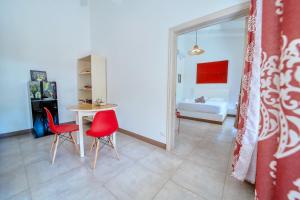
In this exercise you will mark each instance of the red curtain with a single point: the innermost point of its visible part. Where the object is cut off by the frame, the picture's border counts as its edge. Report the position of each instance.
(274, 29)
(278, 157)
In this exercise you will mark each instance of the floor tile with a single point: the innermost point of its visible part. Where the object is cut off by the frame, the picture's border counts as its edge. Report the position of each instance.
(12, 183)
(136, 183)
(205, 182)
(123, 139)
(136, 150)
(10, 162)
(108, 167)
(9, 146)
(184, 145)
(236, 190)
(42, 171)
(24, 195)
(76, 184)
(162, 162)
(172, 191)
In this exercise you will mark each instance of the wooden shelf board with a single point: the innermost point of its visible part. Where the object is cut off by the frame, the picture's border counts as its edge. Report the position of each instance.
(84, 73)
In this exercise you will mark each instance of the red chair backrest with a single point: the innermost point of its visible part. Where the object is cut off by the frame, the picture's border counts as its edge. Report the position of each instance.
(105, 123)
(50, 120)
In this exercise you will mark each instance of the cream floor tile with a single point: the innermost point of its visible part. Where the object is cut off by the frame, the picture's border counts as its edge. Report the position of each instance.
(34, 152)
(184, 145)
(42, 171)
(136, 183)
(9, 146)
(236, 190)
(123, 140)
(12, 183)
(76, 184)
(219, 164)
(172, 191)
(214, 150)
(136, 150)
(108, 167)
(10, 162)
(25, 138)
(205, 182)
(24, 195)
(161, 162)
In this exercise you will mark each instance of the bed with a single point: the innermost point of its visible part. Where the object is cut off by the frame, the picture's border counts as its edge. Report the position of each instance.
(214, 110)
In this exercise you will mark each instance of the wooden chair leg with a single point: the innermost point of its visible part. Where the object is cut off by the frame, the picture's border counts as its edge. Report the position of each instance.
(55, 148)
(52, 143)
(92, 145)
(114, 147)
(74, 141)
(96, 153)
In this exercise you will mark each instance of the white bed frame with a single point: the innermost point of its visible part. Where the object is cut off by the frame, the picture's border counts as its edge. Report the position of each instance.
(206, 117)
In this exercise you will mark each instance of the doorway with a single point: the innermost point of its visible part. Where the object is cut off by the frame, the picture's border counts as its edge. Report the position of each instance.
(225, 15)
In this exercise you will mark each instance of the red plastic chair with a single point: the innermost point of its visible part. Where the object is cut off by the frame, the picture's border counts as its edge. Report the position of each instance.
(59, 131)
(105, 123)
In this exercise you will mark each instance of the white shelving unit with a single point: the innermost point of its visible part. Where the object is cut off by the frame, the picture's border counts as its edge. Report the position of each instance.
(91, 82)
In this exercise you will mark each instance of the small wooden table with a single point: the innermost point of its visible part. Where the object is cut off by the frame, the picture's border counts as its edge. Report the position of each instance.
(84, 110)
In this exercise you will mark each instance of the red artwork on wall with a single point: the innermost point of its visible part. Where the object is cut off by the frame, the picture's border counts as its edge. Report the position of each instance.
(212, 72)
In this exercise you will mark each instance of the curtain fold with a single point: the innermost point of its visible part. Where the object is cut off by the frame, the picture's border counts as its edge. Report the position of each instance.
(248, 111)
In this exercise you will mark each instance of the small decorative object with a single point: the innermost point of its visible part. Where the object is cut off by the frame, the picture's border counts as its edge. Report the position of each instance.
(38, 75)
(99, 102)
(35, 90)
(87, 87)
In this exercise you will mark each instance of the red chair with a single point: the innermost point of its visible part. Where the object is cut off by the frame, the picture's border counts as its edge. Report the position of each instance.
(59, 131)
(105, 123)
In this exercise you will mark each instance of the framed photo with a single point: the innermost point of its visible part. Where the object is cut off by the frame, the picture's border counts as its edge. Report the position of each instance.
(38, 75)
(35, 90)
(49, 90)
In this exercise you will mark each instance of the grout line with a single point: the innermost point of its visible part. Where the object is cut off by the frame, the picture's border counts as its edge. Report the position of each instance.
(189, 190)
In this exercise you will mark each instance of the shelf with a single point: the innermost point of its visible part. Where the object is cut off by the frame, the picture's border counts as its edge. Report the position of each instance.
(84, 73)
(86, 89)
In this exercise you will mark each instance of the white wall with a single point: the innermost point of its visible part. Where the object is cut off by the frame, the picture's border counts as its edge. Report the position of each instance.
(225, 41)
(41, 35)
(134, 37)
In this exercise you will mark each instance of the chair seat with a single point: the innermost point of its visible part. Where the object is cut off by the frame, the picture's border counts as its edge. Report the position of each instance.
(98, 134)
(66, 128)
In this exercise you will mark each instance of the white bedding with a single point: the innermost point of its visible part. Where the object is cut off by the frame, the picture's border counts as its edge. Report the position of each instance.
(213, 109)
(210, 106)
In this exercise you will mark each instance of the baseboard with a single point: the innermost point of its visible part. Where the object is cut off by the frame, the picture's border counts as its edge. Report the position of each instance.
(25, 131)
(142, 138)
(202, 120)
(16, 133)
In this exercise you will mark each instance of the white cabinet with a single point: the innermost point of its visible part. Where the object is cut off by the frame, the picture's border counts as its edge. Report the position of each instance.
(91, 81)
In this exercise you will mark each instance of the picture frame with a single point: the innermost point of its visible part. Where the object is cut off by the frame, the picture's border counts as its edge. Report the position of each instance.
(35, 90)
(38, 75)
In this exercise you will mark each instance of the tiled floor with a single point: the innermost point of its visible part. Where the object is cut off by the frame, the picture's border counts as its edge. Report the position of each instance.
(198, 169)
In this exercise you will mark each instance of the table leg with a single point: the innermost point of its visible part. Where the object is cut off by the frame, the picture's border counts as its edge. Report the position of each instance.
(80, 134)
(114, 140)
(77, 133)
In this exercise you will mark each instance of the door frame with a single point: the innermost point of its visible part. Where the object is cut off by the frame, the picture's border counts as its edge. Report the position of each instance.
(228, 14)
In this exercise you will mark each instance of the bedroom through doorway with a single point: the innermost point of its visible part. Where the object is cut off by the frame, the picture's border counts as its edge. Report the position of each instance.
(209, 67)
(209, 70)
